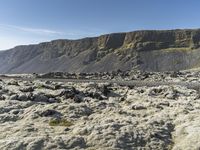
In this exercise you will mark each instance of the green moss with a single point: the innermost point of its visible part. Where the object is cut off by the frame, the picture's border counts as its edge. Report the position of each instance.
(60, 122)
(177, 49)
(39, 86)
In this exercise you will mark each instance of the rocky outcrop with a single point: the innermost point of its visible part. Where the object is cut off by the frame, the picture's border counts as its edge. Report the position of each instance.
(160, 50)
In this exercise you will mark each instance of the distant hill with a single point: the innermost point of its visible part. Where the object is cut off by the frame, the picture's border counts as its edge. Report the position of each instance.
(159, 50)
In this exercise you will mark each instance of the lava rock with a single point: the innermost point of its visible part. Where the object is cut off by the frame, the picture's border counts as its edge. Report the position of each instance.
(2, 97)
(78, 98)
(104, 89)
(69, 93)
(155, 92)
(15, 112)
(49, 113)
(40, 98)
(22, 97)
(13, 82)
(27, 89)
(14, 97)
(57, 87)
(52, 100)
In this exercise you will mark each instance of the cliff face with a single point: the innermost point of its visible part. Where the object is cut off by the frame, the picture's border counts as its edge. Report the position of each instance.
(144, 50)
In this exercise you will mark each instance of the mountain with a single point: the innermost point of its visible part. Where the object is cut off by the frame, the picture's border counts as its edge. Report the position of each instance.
(149, 50)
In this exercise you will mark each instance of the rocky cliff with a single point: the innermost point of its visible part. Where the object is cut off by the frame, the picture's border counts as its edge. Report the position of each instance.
(160, 50)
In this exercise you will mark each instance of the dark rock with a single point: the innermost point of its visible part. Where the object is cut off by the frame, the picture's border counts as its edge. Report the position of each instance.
(2, 97)
(155, 92)
(47, 86)
(13, 82)
(40, 98)
(144, 75)
(104, 89)
(49, 113)
(67, 129)
(159, 107)
(48, 82)
(57, 87)
(14, 97)
(4, 91)
(138, 107)
(52, 100)
(97, 96)
(77, 143)
(165, 103)
(22, 97)
(101, 105)
(27, 89)
(15, 112)
(78, 98)
(121, 99)
(69, 93)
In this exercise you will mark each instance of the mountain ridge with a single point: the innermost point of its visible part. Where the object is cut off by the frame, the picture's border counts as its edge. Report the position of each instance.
(146, 50)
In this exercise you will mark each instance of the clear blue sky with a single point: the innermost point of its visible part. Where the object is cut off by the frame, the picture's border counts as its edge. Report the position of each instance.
(34, 21)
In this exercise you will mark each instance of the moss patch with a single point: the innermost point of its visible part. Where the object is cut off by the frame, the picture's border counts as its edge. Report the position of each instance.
(177, 49)
(60, 122)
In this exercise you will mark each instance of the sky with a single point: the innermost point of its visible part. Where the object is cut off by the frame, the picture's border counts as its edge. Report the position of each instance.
(25, 22)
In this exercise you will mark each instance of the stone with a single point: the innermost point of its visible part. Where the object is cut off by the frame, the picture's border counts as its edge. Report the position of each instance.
(27, 89)
(78, 98)
(138, 107)
(97, 95)
(155, 92)
(69, 93)
(22, 97)
(57, 87)
(40, 98)
(14, 97)
(2, 97)
(49, 113)
(13, 82)
(15, 112)
(52, 100)
(104, 89)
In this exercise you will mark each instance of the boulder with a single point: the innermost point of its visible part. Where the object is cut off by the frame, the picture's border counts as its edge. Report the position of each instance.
(40, 98)
(22, 97)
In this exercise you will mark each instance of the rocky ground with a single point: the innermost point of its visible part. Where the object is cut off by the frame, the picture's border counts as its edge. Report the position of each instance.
(38, 115)
(174, 76)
